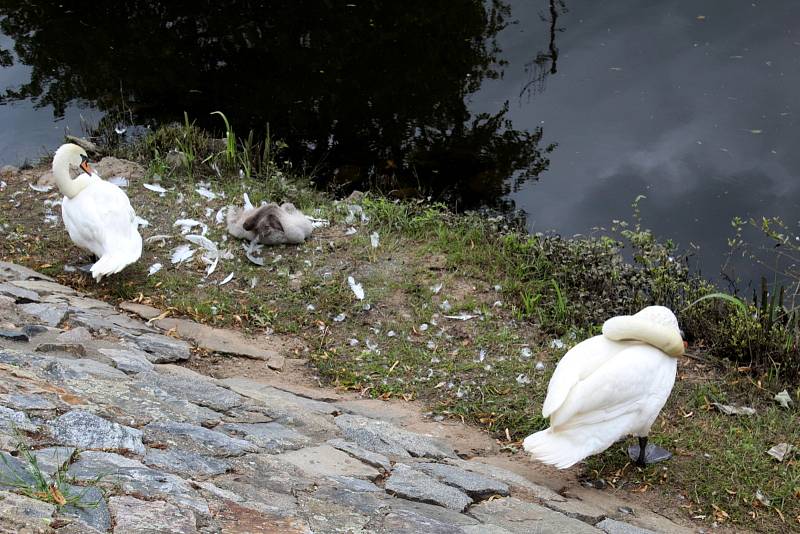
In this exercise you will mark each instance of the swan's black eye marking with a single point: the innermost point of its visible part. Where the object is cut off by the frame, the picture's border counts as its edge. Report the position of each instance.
(84, 158)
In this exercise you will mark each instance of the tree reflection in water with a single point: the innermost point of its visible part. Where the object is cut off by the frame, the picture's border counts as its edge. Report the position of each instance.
(370, 92)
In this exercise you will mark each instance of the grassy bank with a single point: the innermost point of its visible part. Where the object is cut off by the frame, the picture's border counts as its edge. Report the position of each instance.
(461, 311)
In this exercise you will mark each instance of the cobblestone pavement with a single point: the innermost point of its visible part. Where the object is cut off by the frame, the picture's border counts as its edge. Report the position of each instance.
(147, 445)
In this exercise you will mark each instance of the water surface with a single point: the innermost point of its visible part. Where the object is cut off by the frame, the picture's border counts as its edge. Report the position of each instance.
(567, 110)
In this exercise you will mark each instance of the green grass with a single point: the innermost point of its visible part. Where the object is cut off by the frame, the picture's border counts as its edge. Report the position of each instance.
(57, 490)
(524, 291)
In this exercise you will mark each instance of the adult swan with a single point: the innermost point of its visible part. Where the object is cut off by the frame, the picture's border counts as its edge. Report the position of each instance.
(97, 214)
(608, 387)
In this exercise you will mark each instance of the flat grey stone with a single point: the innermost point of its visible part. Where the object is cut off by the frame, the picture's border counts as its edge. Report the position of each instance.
(12, 271)
(82, 369)
(201, 392)
(49, 314)
(196, 438)
(327, 514)
(522, 517)
(185, 463)
(274, 396)
(31, 509)
(408, 483)
(13, 472)
(76, 526)
(484, 529)
(291, 410)
(11, 420)
(76, 349)
(90, 464)
(612, 526)
(439, 513)
(509, 477)
(273, 437)
(474, 484)
(51, 459)
(368, 457)
(139, 403)
(20, 401)
(357, 485)
(385, 438)
(75, 335)
(324, 460)
(44, 286)
(128, 361)
(92, 508)
(18, 293)
(133, 477)
(135, 516)
(162, 349)
(15, 335)
(88, 431)
(410, 522)
(267, 472)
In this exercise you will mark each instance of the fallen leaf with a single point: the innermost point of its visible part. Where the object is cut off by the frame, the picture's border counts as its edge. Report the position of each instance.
(781, 451)
(728, 409)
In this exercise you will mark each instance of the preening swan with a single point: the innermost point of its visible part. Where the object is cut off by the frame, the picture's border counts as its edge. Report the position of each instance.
(98, 215)
(608, 387)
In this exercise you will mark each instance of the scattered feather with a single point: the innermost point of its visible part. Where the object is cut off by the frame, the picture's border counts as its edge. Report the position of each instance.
(523, 379)
(763, 498)
(436, 288)
(350, 231)
(461, 316)
(120, 130)
(206, 193)
(318, 223)
(155, 188)
(186, 225)
(525, 352)
(181, 253)
(226, 279)
(40, 188)
(446, 306)
(247, 204)
(783, 398)
(728, 409)
(339, 318)
(311, 307)
(119, 181)
(539, 366)
(374, 239)
(220, 216)
(144, 223)
(251, 249)
(154, 269)
(557, 344)
(423, 327)
(3, 184)
(211, 254)
(357, 288)
(353, 342)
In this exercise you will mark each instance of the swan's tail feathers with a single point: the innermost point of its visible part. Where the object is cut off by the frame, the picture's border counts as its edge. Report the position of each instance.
(114, 262)
(560, 449)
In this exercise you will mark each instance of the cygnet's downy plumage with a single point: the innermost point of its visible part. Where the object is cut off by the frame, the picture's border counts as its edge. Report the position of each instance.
(269, 224)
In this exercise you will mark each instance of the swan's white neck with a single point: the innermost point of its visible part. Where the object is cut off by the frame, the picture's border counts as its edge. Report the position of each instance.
(69, 187)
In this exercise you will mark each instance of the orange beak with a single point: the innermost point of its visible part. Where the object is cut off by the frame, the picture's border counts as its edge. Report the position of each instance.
(86, 168)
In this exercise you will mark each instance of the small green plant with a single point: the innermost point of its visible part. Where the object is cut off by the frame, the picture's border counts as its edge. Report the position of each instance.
(56, 490)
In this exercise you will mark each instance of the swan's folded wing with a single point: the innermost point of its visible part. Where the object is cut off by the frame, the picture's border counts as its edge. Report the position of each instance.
(637, 377)
(579, 362)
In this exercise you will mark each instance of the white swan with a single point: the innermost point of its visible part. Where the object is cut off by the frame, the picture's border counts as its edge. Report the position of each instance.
(608, 387)
(97, 214)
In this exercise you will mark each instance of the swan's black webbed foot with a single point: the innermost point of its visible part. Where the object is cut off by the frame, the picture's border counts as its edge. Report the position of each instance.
(645, 453)
(86, 268)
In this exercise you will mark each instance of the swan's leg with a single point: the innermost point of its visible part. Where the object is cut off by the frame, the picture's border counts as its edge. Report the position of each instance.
(88, 267)
(645, 454)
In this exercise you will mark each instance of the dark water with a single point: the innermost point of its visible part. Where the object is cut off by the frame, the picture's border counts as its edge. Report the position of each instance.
(567, 110)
